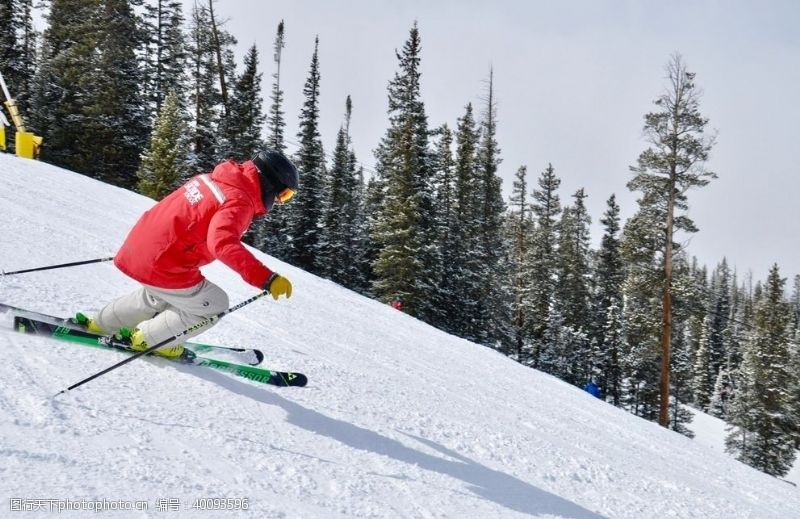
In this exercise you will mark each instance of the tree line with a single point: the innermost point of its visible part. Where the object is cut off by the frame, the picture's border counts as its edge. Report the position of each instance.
(132, 93)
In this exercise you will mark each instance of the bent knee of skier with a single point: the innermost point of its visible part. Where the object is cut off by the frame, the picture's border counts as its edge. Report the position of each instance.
(208, 302)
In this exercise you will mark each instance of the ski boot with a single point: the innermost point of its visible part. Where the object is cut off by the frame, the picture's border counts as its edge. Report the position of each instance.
(87, 324)
(137, 342)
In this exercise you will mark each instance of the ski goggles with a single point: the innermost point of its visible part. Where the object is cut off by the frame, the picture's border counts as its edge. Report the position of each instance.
(285, 195)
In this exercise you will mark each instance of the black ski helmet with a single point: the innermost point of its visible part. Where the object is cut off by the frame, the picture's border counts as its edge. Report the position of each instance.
(276, 173)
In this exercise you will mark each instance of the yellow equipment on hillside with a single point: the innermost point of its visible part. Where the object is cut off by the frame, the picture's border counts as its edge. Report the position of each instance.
(27, 144)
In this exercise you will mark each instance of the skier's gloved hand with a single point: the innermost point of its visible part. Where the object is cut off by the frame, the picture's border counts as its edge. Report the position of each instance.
(278, 286)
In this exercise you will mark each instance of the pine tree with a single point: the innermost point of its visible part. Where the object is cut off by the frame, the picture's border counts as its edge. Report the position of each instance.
(8, 40)
(334, 249)
(736, 328)
(520, 226)
(305, 213)
(664, 173)
(275, 122)
(703, 377)
(794, 388)
(339, 250)
(221, 43)
(18, 49)
(165, 162)
(495, 309)
(795, 303)
(762, 433)
(165, 54)
(230, 128)
(403, 228)
(572, 287)
(642, 315)
(719, 326)
(116, 126)
(67, 58)
(546, 207)
(681, 368)
(443, 185)
(465, 265)
(17, 54)
(610, 277)
(271, 234)
(88, 99)
(555, 356)
(205, 99)
(246, 114)
(361, 260)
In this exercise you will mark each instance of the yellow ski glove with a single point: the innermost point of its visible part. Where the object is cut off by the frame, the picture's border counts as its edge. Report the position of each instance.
(278, 286)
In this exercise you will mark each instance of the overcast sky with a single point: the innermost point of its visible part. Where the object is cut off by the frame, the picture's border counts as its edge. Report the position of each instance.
(573, 80)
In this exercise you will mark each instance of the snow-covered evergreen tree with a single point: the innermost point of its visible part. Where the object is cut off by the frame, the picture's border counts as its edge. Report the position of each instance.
(246, 118)
(88, 100)
(572, 294)
(495, 308)
(466, 315)
(703, 376)
(642, 315)
(519, 223)
(165, 162)
(795, 303)
(444, 186)
(403, 228)
(205, 98)
(275, 121)
(664, 173)
(305, 213)
(720, 313)
(794, 387)
(339, 248)
(271, 234)
(546, 207)
(361, 264)
(681, 368)
(762, 430)
(165, 55)
(610, 275)
(18, 40)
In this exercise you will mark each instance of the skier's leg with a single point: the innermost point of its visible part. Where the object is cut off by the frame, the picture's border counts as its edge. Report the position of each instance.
(184, 309)
(127, 311)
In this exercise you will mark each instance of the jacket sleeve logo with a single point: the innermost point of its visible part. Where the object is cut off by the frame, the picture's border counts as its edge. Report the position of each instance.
(193, 194)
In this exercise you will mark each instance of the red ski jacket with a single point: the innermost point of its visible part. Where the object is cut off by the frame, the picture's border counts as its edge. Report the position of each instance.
(199, 222)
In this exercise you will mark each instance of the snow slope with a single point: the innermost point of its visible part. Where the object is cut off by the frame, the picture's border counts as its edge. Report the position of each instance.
(711, 432)
(398, 420)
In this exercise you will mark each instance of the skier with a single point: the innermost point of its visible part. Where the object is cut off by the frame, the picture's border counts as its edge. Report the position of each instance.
(199, 222)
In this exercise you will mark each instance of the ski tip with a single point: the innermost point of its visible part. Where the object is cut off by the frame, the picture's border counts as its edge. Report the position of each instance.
(259, 357)
(294, 379)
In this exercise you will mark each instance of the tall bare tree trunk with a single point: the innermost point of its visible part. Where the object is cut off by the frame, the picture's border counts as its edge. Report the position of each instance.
(218, 50)
(666, 331)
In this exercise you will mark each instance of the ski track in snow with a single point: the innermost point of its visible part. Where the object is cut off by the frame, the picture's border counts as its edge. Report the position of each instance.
(398, 420)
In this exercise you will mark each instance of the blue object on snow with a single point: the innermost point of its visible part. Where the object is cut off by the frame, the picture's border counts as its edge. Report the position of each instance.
(592, 388)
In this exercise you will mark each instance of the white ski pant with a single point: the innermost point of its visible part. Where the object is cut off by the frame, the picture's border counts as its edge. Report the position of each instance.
(161, 313)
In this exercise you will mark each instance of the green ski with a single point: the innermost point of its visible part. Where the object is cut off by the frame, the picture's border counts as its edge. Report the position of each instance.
(25, 324)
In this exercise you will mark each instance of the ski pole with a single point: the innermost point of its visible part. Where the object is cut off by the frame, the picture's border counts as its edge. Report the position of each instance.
(73, 264)
(151, 349)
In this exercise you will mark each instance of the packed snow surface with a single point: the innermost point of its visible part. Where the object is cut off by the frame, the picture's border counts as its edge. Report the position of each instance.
(398, 420)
